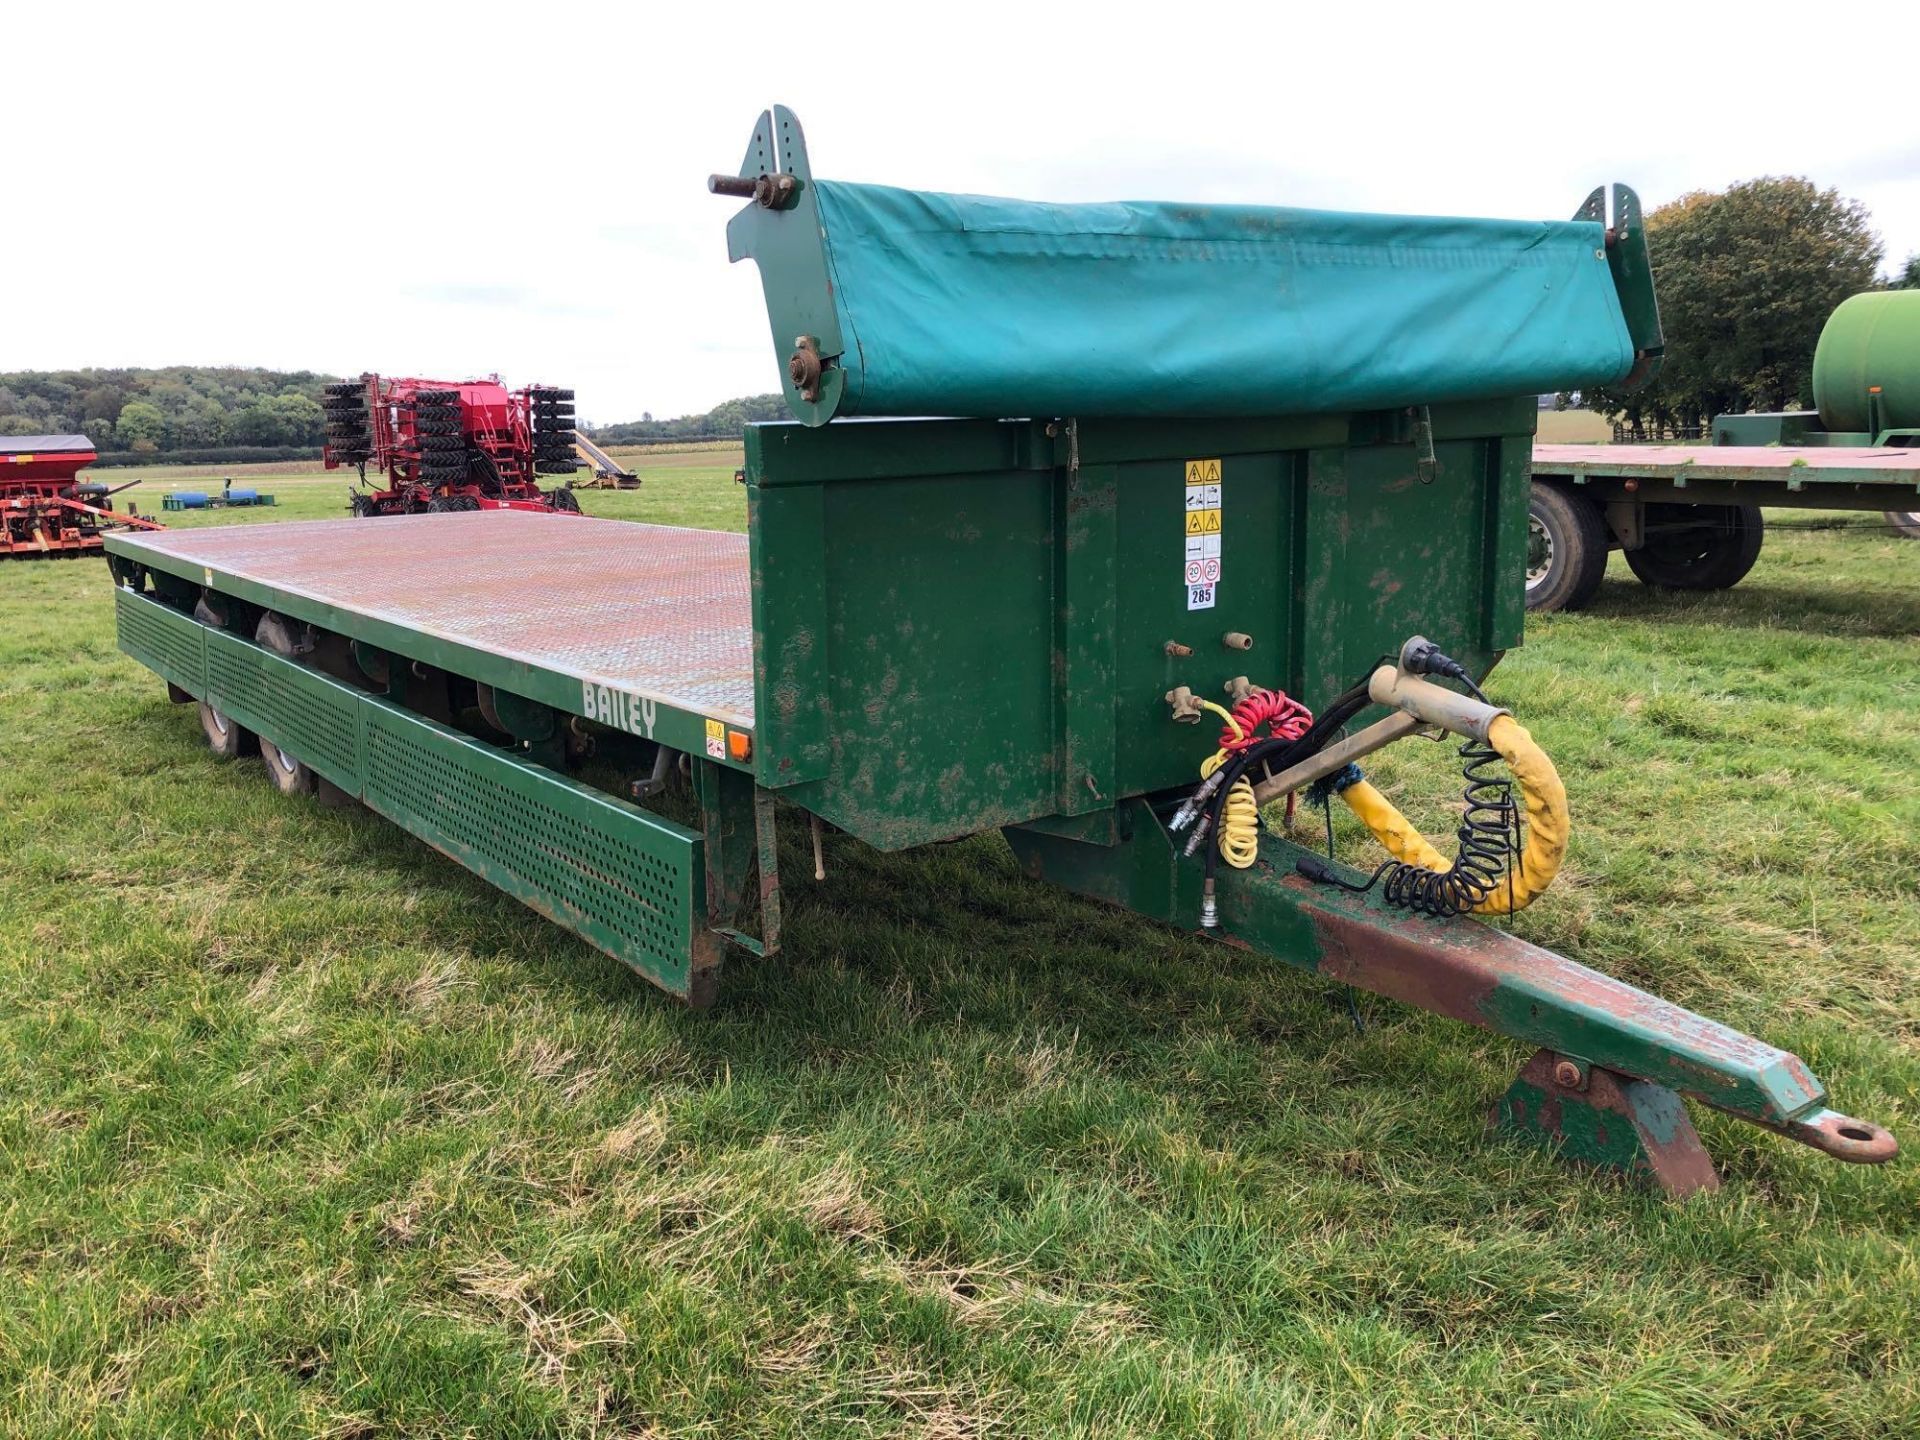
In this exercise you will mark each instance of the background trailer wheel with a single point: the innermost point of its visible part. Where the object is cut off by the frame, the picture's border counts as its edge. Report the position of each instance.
(1698, 547)
(1906, 522)
(1566, 548)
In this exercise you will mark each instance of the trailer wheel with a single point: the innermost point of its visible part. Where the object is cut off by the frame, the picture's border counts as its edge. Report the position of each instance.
(228, 739)
(1566, 549)
(1905, 522)
(1698, 547)
(225, 737)
(564, 499)
(289, 776)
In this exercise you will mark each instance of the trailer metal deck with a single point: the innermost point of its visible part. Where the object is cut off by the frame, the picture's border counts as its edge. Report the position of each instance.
(1816, 476)
(543, 605)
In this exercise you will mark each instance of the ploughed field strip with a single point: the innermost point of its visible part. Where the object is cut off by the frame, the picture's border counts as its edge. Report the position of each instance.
(1206, 583)
(647, 610)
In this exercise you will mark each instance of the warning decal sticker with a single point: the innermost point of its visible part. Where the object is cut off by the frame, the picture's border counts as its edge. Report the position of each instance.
(1200, 570)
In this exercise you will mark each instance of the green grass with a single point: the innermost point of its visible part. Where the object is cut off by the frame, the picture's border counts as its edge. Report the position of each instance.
(305, 1131)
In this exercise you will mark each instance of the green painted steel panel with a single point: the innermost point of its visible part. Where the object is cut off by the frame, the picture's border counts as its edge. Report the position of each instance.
(162, 639)
(947, 650)
(629, 882)
(312, 718)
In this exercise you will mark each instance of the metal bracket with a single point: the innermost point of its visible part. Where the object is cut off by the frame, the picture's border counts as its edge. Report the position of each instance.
(1627, 258)
(1597, 1117)
(1627, 519)
(781, 231)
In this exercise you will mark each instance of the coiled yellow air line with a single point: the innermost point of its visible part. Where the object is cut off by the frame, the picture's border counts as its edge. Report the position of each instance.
(1239, 837)
(1547, 821)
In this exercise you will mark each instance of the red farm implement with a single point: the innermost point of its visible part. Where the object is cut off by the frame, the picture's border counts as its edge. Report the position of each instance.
(45, 508)
(438, 445)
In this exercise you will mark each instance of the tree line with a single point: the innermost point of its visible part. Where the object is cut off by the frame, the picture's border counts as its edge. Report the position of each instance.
(1746, 277)
(184, 408)
(159, 411)
(730, 417)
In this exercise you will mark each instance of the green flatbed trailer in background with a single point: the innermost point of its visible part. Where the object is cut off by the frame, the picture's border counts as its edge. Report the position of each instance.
(935, 628)
(1687, 517)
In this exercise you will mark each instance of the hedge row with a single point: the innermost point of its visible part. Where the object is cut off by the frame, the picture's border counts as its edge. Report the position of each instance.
(222, 455)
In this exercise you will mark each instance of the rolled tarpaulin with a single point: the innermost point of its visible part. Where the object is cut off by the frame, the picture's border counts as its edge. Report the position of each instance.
(919, 303)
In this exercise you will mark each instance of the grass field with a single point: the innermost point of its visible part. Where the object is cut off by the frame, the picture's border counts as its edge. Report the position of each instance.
(1574, 427)
(304, 1131)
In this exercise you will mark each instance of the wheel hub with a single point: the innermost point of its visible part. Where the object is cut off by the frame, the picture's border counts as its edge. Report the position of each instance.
(1539, 551)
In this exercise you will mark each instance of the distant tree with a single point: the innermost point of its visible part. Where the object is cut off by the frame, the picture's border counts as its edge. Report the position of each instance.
(302, 416)
(1746, 278)
(200, 425)
(103, 402)
(18, 425)
(1908, 277)
(141, 423)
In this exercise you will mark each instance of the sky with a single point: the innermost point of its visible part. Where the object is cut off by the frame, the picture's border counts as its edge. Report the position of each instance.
(457, 189)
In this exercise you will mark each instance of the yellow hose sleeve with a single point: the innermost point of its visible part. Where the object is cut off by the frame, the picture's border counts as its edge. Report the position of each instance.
(1547, 824)
(1391, 828)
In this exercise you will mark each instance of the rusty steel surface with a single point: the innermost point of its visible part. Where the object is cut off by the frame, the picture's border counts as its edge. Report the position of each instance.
(1770, 462)
(651, 609)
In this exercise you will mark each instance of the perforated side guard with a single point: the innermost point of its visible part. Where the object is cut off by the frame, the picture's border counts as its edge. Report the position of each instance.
(627, 881)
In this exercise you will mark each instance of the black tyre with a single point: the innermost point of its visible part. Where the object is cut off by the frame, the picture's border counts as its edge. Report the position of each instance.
(434, 425)
(436, 397)
(1905, 522)
(543, 393)
(344, 387)
(442, 442)
(289, 775)
(1698, 547)
(448, 504)
(1566, 549)
(564, 499)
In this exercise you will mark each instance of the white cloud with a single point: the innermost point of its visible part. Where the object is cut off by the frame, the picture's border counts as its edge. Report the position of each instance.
(476, 187)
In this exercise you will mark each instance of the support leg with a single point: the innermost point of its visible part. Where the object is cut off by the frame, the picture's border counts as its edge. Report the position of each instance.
(1612, 1121)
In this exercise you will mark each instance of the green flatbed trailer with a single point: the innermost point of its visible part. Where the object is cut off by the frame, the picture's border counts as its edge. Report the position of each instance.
(1688, 517)
(939, 627)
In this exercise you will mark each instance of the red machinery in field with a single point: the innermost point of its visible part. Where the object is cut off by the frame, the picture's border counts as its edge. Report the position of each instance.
(45, 508)
(451, 445)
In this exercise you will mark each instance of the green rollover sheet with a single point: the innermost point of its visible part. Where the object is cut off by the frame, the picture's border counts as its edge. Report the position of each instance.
(970, 305)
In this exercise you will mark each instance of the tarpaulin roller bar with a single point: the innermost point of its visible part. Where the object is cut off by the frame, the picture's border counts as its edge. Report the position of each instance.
(888, 301)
